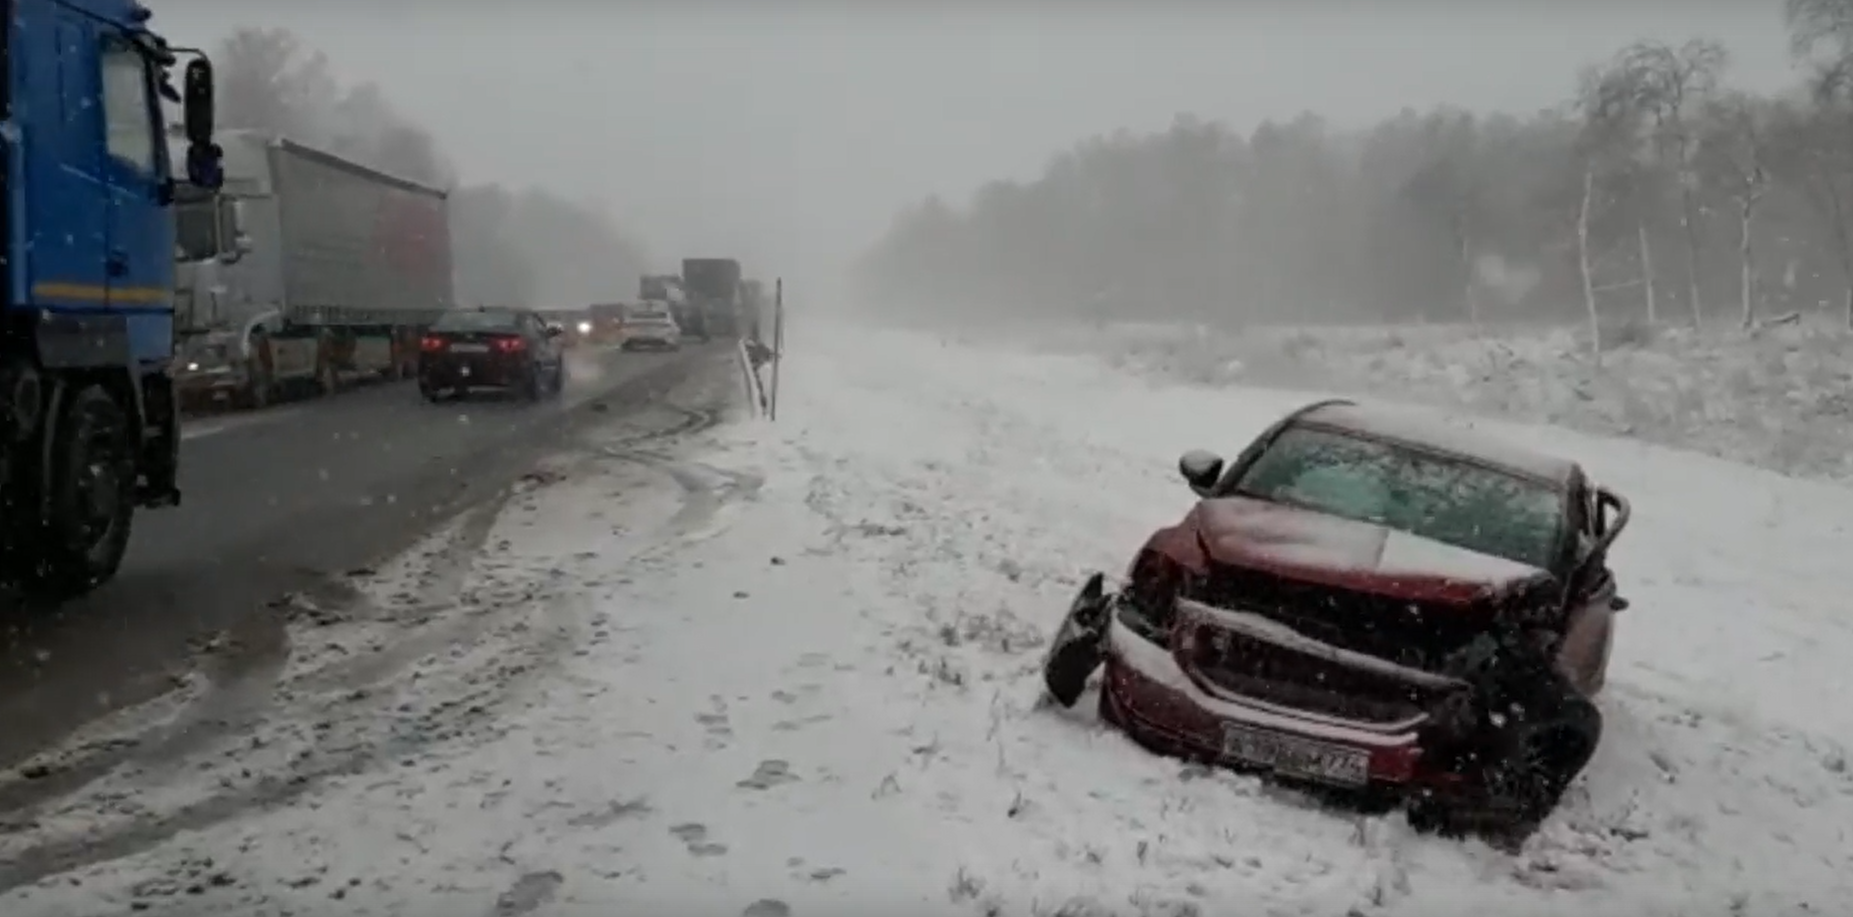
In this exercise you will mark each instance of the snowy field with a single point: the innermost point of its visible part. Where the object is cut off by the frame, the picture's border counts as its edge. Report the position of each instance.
(792, 670)
(1779, 397)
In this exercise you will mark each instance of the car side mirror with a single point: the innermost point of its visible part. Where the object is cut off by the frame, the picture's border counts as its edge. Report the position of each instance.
(1201, 469)
(554, 331)
(1612, 515)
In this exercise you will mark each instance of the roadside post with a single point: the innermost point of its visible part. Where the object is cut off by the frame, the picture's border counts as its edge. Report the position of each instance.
(778, 342)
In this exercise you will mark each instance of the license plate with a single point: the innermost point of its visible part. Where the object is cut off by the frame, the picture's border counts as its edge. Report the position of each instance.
(469, 348)
(1297, 757)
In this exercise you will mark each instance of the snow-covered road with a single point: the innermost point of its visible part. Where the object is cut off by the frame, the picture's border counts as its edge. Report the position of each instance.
(791, 669)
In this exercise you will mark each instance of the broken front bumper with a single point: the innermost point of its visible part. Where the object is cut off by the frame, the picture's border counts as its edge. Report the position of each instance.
(1154, 698)
(1160, 698)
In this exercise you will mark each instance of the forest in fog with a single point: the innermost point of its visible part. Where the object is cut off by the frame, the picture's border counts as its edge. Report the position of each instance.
(512, 247)
(1656, 192)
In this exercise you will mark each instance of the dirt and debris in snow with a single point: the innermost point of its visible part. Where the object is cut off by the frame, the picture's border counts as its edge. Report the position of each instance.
(864, 731)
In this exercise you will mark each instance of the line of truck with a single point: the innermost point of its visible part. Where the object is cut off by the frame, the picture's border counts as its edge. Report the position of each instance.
(304, 270)
(147, 264)
(709, 298)
(308, 271)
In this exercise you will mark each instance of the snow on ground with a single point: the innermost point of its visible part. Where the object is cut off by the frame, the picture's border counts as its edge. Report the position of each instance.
(1777, 397)
(801, 679)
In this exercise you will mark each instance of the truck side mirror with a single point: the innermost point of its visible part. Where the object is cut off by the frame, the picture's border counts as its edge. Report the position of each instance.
(197, 102)
(204, 157)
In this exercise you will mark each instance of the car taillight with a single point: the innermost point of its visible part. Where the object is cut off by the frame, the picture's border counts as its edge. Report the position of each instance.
(510, 345)
(429, 343)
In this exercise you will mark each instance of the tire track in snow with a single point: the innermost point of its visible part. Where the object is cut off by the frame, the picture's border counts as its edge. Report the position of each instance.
(340, 693)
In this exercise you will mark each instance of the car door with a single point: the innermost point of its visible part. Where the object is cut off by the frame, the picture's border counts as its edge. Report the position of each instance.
(138, 261)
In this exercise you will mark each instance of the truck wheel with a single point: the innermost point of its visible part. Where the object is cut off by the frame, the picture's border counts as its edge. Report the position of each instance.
(327, 379)
(257, 385)
(92, 497)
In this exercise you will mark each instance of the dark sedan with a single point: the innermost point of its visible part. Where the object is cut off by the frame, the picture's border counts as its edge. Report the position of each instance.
(510, 349)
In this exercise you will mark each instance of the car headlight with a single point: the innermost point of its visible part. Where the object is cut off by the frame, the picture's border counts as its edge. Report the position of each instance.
(192, 367)
(585, 327)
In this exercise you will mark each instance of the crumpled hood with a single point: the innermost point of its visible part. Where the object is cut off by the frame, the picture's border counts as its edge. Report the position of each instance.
(1318, 548)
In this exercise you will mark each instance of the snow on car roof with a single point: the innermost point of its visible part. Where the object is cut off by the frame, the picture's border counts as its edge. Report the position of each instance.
(1428, 429)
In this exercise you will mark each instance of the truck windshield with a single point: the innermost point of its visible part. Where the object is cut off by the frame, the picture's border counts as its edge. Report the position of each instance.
(196, 231)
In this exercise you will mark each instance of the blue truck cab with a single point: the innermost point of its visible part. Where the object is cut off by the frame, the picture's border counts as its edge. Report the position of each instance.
(89, 425)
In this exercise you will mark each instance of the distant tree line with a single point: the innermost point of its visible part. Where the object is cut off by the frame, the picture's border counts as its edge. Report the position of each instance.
(1654, 193)
(518, 247)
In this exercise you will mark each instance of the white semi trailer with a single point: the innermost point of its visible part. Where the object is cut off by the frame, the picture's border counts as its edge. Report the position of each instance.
(305, 271)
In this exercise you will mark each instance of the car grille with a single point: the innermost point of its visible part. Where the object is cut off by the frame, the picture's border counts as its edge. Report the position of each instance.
(1261, 670)
(1415, 634)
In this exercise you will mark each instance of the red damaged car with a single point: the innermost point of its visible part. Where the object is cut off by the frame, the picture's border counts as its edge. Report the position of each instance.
(1371, 601)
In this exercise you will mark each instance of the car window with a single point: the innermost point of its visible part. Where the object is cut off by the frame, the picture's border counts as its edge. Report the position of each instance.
(478, 320)
(1429, 494)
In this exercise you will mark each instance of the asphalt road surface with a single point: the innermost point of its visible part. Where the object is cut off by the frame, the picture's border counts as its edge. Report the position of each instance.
(279, 501)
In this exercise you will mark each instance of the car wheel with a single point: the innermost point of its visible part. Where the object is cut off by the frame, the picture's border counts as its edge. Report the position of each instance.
(1537, 757)
(531, 384)
(429, 392)
(1078, 646)
(559, 378)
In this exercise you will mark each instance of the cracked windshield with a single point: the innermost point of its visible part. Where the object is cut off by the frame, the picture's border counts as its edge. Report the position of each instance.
(1292, 459)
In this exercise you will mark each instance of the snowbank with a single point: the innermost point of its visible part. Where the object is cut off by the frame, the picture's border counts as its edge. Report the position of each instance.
(1781, 398)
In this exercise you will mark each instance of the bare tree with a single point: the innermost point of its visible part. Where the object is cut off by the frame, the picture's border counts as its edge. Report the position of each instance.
(1734, 151)
(1817, 26)
(1811, 150)
(1449, 187)
(1625, 94)
(271, 81)
(1560, 212)
(1668, 83)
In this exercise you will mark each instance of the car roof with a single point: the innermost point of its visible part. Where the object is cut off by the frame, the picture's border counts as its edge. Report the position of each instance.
(1418, 428)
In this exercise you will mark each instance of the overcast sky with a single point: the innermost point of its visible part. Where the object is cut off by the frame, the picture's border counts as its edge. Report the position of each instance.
(788, 133)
